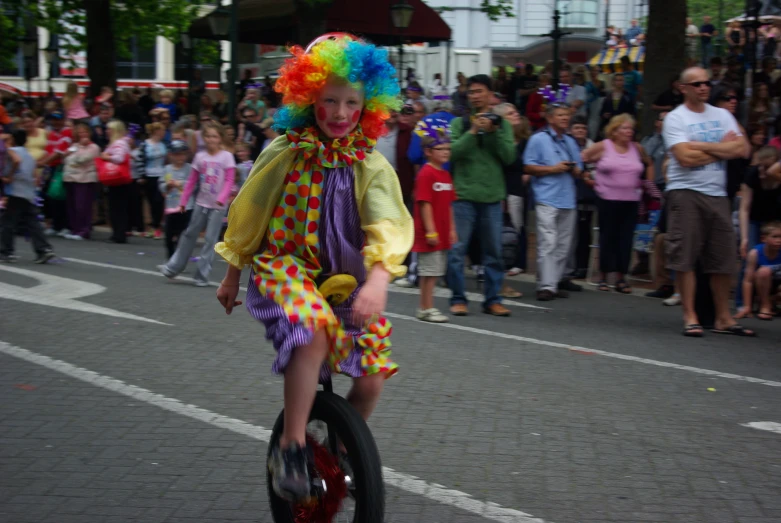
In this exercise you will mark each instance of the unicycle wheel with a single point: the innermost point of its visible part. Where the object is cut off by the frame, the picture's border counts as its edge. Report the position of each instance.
(361, 499)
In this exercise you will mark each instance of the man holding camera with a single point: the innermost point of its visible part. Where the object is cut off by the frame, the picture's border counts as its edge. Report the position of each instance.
(481, 146)
(552, 158)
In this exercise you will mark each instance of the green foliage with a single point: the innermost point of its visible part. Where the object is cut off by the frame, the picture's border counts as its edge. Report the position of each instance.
(207, 52)
(493, 9)
(144, 19)
(696, 9)
(496, 9)
(9, 43)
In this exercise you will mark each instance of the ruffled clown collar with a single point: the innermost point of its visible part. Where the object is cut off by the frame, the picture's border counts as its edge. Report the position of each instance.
(330, 153)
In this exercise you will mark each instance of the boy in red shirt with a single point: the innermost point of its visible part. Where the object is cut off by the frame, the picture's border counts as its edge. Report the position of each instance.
(60, 138)
(435, 229)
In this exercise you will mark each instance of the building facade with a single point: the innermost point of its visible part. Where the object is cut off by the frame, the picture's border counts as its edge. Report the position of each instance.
(519, 39)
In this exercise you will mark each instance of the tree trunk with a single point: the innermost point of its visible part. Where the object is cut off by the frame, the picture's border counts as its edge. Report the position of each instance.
(310, 18)
(101, 51)
(665, 55)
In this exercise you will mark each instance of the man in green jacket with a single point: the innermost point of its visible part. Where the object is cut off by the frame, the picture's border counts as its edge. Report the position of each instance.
(480, 150)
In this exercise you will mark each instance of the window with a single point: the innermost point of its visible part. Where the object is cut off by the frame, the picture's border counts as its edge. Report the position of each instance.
(140, 65)
(581, 13)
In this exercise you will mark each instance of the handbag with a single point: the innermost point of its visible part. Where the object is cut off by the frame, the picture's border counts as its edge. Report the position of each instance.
(56, 189)
(111, 174)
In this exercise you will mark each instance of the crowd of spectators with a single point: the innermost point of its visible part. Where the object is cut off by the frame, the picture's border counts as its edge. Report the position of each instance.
(578, 164)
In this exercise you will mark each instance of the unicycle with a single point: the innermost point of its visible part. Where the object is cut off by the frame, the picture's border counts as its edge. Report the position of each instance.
(346, 489)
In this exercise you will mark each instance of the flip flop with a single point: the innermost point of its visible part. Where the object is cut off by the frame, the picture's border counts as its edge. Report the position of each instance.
(603, 286)
(765, 316)
(623, 287)
(736, 330)
(693, 330)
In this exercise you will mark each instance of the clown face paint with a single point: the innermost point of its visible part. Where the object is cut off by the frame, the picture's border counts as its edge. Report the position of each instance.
(338, 109)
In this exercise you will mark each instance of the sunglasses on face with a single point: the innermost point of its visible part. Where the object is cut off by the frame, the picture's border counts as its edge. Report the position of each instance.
(731, 98)
(697, 85)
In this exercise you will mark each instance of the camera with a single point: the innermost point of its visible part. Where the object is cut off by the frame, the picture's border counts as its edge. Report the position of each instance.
(495, 119)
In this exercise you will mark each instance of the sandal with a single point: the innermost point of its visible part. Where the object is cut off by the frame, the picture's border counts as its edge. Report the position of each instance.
(623, 287)
(736, 330)
(603, 286)
(693, 330)
(765, 315)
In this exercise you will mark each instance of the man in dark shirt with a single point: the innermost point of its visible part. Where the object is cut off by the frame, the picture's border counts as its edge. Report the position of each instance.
(527, 85)
(707, 32)
(670, 99)
(249, 127)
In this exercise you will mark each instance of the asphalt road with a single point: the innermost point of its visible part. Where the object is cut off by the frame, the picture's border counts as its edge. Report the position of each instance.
(127, 397)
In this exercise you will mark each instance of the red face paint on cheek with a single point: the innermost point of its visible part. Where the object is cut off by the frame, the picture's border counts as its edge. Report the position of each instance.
(356, 115)
(321, 113)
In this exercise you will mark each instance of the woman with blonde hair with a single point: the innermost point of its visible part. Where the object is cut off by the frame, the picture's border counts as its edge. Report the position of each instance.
(516, 190)
(621, 166)
(117, 152)
(80, 177)
(73, 105)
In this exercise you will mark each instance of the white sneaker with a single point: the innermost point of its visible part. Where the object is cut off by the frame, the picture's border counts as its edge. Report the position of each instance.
(49, 232)
(199, 283)
(431, 315)
(515, 271)
(73, 237)
(64, 233)
(673, 300)
(404, 283)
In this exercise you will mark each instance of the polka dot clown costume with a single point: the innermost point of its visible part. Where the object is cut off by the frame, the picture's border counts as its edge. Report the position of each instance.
(317, 213)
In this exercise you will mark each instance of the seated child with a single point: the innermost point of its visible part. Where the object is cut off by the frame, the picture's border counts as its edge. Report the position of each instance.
(763, 272)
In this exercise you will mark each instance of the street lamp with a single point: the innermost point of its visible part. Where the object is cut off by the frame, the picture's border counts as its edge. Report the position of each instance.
(401, 16)
(219, 21)
(224, 22)
(29, 48)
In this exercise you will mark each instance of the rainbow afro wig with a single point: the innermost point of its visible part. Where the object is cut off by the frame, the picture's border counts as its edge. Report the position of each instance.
(345, 57)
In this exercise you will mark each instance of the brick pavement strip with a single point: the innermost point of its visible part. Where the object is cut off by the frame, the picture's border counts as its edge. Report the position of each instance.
(564, 436)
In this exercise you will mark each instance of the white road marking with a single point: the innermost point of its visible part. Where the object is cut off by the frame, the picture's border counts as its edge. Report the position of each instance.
(545, 343)
(56, 291)
(769, 426)
(438, 292)
(402, 481)
(615, 355)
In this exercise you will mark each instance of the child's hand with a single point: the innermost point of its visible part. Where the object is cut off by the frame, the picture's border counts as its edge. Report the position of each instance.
(226, 295)
(432, 240)
(182, 209)
(453, 237)
(743, 248)
(372, 297)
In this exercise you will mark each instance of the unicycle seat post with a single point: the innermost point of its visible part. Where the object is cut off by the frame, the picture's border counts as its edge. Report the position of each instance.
(328, 386)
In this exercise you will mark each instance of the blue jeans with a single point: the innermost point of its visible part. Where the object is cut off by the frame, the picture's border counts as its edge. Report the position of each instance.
(707, 52)
(487, 219)
(754, 232)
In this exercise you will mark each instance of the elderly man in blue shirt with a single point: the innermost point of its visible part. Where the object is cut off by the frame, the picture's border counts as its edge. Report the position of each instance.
(552, 158)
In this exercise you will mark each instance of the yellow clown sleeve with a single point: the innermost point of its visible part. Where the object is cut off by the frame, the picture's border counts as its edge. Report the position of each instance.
(251, 211)
(384, 217)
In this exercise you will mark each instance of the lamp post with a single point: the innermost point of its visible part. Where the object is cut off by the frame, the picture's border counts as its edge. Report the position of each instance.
(187, 46)
(401, 16)
(556, 34)
(51, 53)
(225, 22)
(29, 48)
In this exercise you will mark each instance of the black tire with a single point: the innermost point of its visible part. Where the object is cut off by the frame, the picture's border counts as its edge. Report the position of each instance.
(354, 433)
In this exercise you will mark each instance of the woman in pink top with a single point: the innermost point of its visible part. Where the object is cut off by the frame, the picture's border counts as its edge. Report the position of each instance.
(73, 104)
(620, 168)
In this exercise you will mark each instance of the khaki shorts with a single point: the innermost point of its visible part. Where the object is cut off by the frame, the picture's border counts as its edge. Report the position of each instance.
(699, 228)
(432, 263)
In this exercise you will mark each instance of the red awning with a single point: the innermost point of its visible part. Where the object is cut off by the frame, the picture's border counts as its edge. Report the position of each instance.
(274, 21)
(372, 19)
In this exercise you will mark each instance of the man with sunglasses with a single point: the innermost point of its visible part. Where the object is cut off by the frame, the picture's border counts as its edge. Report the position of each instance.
(700, 137)
(249, 129)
